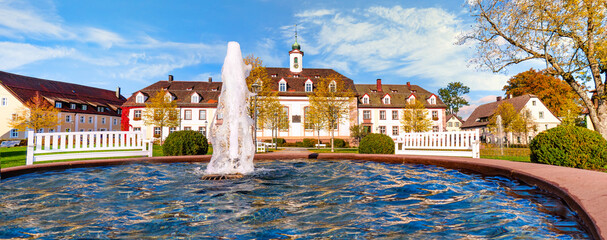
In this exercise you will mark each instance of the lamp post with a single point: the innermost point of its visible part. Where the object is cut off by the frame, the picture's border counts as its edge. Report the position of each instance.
(256, 87)
(276, 125)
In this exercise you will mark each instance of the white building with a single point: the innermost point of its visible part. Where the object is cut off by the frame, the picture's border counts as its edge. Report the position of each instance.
(454, 123)
(542, 117)
(197, 102)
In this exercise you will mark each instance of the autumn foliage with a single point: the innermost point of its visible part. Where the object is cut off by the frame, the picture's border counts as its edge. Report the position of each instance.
(36, 114)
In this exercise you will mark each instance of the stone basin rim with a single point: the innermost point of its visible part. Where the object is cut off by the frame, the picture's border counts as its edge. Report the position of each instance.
(580, 189)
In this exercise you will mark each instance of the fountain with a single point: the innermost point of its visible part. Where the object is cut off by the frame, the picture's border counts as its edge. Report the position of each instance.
(233, 148)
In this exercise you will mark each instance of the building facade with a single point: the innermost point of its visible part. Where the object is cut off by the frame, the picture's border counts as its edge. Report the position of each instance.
(81, 108)
(454, 123)
(543, 118)
(294, 85)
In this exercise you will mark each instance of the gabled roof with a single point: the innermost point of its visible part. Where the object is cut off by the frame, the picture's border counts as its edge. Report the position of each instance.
(296, 85)
(487, 110)
(456, 117)
(398, 95)
(24, 88)
(208, 91)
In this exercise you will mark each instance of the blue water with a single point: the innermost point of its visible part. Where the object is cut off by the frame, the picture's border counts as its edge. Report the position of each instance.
(295, 199)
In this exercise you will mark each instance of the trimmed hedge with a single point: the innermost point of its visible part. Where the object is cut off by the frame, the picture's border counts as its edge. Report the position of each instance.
(309, 142)
(570, 146)
(185, 143)
(376, 143)
(339, 143)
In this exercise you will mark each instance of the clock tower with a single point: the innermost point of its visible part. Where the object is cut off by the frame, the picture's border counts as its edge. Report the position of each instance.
(296, 57)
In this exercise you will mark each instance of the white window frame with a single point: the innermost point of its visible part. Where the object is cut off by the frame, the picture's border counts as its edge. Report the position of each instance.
(282, 86)
(333, 86)
(157, 131)
(394, 114)
(102, 120)
(68, 118)
(58, 105)
(387, 99)
(14, 133)
(84, 107)
(90, 119)
(394, 130)
(72, 106)
(140, 98)
(195, 98)
(82, 119)
(382, 114)
(202, 115)
(137, 115)
(366, 99)
(115, 121)
(187, 114)
(4, 101)
(309, 86)
(382, 129)
(366, 114)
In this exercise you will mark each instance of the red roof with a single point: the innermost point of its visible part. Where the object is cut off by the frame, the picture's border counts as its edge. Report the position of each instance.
(24, 88)
(480, 116)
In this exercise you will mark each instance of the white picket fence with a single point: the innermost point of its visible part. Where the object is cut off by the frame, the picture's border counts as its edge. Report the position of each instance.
(460, 144)
(75, 145)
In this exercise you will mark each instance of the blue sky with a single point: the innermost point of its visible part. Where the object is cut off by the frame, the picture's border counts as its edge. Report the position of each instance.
(132, 44)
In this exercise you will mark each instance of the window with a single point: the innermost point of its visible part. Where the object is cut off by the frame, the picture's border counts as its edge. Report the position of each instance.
(309, 86)
(115, 121)
(102, 120)
(387, 100)
(195, 98)
(295, 76)
(533, 103)
(411, 99)
(307, 124)
(14, 117)
(366, 100)
(51, 130)
(168, 97)
(456, 124)
(102, 129)
(274, 75)
(187, 115)
(203, 130)
(449, 124)
(68, 130)
(282, 86)
(382, 115)
(14, 133)
(137, 115)
(332, 86)
(316, 76)
(435, 128)
(4, 101)
(367, 114)
(157, 132)
(72, 106)
(100, 109)
(435, 115)
(140, 98)
(202, 115)
(137, 129)
(187, 128)
(41, 130)
(84, 107)
(172, 129)
(90, 119)
(219, 116)
(58, 105)
(82, 130)
(394, 130)
(82, 119)
(68, 118)
(541, 115)
(119, 111)
(394, 115)
(382, 129)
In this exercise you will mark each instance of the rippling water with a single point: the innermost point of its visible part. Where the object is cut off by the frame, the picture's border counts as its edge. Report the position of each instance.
(298, 199)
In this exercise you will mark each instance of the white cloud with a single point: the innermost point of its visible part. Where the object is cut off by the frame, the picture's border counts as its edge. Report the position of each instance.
(14, 55)
(486, 99)
(17, 22)
(102, 37)
(407, 42)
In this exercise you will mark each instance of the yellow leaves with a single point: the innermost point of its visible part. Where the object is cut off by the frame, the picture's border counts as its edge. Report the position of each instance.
(160, 111)
(415, 117)
(36, 114)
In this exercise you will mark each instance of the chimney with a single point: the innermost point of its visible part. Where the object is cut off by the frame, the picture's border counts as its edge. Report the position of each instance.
(499, 98)
(210, 79)
(409, 85)
(379, 85)
(118, 92)
(170, 78)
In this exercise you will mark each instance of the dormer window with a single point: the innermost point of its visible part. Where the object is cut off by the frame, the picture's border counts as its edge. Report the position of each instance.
(168, 97)
(189, 89)
(387, 99)
(296, 76)
(309, 86)
(58, 105)
(84, 107)
(72, 106)
(373, 90)
(195, 98)
(393, 90)
(332, 86)
(140, 98)
(282, 86)
(411, 99)
(432, 100)
(316, 76)
(365, 99)
(274, 75)
(100, 109)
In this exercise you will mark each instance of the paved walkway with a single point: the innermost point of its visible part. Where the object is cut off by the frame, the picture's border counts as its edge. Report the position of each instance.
(294, 150)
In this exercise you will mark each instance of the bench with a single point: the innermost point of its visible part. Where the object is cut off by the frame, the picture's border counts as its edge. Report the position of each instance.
(321, 145)
(270, 145)
(261, 146)
(77, 145)
(457, 144)
(9, 143)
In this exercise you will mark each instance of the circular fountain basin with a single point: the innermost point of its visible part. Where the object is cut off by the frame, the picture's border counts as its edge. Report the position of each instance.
(283, 199)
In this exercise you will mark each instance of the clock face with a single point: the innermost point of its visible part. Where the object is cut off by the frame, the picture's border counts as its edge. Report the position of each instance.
(296, 65)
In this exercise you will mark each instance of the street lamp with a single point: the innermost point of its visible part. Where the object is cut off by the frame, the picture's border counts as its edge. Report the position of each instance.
(276, 125)
(255, 87)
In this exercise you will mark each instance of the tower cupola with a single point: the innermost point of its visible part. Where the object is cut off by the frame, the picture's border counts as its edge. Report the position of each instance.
(296, 56)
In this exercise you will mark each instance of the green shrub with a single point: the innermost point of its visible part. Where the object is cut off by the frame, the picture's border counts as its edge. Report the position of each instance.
(570, 146)
(309, 142)
(376, 144)
(339, 143)
(280, 141)
(299, 144)
(185, 143)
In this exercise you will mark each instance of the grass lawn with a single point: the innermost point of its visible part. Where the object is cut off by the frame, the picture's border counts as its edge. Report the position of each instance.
(511, 154)
(15, 156)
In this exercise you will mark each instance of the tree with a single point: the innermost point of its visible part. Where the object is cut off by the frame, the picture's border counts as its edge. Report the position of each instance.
(570, 37)
(161, 111)
(452, 96)
(415, 117)
(556, 94)
(358, 132)
(36, 114)
(510, 119)
(314, 120)
(274, 117)
(332, 98)
(524, 124)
